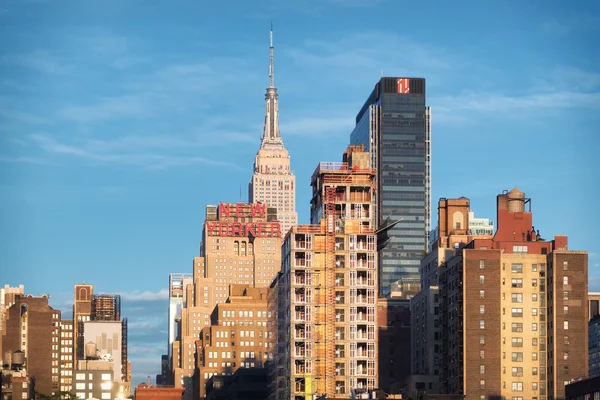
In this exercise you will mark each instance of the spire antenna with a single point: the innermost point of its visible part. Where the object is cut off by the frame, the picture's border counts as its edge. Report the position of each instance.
(271, 50)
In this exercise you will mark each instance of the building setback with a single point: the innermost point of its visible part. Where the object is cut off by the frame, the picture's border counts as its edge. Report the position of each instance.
(327, 289)
(514, 311)
(394, 127)
(241, 245)
(238, 337)
(273, 182)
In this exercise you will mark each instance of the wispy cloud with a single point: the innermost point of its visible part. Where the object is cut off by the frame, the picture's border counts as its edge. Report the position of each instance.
(39, 60)
(149, 160)
(369, 53)
(570, 24)
(455, 108)
(127, 62)
(136, 295)
(317, 126)
(112, 108)
(24, 117)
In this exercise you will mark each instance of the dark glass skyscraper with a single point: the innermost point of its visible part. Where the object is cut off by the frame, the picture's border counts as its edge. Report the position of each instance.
(394, 127)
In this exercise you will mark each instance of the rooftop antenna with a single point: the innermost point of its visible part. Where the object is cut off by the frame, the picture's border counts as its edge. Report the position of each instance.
(271, 68)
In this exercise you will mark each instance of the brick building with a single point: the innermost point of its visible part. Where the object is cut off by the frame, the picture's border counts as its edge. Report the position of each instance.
(33, 327)
(514, 311)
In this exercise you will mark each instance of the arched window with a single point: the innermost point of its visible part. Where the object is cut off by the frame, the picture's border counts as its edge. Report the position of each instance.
(243, 252)
(236, 247)
(458, 220)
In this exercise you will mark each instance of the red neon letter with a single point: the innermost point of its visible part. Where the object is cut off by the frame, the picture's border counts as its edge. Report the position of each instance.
(259, 209)
(276, 229)
(250, 229)
(210, 228)
(224, 210)
(236, 228)
(238, 210)
(223, 232)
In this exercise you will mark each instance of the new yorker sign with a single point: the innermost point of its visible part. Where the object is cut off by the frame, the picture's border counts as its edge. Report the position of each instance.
(243, 229)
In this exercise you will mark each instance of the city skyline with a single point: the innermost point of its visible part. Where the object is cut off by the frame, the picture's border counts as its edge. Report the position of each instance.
(113, 177)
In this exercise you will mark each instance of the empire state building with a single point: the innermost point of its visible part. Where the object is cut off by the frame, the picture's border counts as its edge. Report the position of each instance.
(273, 182)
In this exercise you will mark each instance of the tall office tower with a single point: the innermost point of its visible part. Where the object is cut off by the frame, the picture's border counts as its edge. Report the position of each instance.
(82, 312)
(238, 336)
(327, 343)
(394, 126)
(33, 327)
(177, 284)
(273, 182)
(513, 310)
(455, 229)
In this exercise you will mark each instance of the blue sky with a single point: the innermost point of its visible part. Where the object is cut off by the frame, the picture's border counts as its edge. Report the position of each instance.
(120, 120)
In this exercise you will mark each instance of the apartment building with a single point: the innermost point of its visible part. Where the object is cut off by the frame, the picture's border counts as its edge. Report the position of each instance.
(327, 290)
(514, 311)
(238, 337)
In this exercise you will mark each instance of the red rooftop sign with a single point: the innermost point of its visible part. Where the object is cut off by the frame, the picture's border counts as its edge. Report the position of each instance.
(243, 229)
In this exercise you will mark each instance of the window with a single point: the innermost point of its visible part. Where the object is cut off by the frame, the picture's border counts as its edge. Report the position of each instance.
(566, 295)
(517, 297)
(517, 268)
(482, 354)
(517, 371)
(566, 310)
(566, 325)
(517, 357)
(481, 294)
(517, 386)
(565, 265)
(517, 327)
(482, 384)
(517, 342)
(481, 324)
(534, 327)
(481, 279)
(534, 282)
(482, 309)
(565, 281)
(517, 312)
(534, 385)
(534, 312)
(516, 282)
(534, 341)
(534, 371)
(534, 356)
(482, 369)
(533, 267)
(534, 297)
(481, 264)
(481, 339)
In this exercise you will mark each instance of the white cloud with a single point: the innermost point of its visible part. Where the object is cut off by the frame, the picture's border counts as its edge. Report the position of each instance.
(136, 295)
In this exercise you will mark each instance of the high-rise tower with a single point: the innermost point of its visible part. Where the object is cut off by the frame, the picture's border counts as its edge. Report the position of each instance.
(272, 182)
(394, 127)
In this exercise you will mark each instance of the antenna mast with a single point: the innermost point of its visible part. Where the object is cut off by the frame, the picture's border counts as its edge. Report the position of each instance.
(271, 68)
